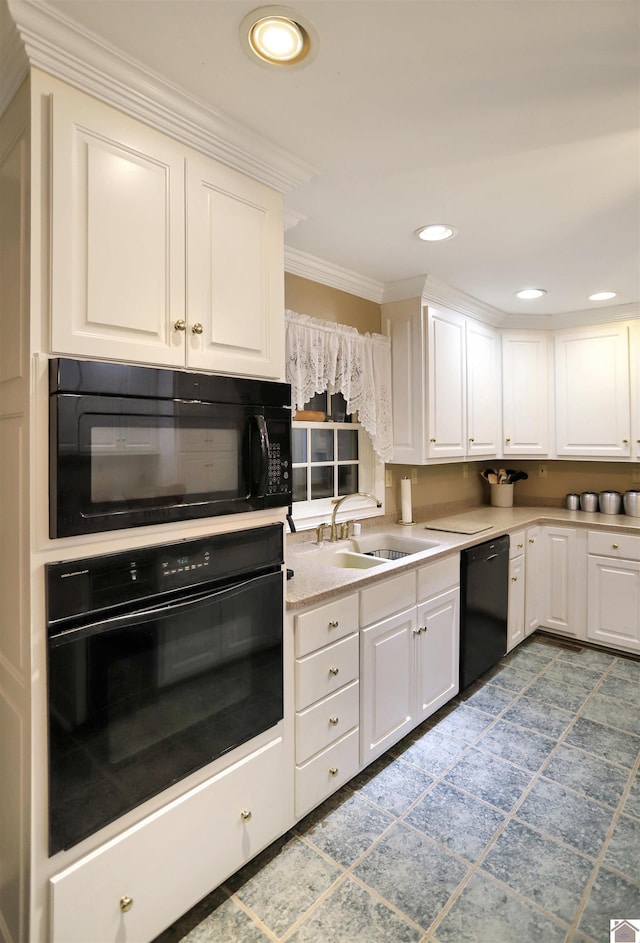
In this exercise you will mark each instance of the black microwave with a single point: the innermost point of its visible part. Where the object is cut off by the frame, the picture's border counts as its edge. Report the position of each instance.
(130, 446)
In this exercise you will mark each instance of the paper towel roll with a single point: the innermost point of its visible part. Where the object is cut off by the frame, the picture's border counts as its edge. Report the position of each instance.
(405, 499)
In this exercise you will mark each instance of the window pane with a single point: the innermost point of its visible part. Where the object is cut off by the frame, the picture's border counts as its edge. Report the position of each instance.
(317, 403)
(347, 479)
(322, 445)
(322, 482)
(299, 482)
(339, 408)
(298, 446)
(347, 444)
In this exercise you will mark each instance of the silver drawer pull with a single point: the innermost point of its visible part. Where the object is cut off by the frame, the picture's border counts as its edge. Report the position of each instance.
(126, 903)
(333, 721)
(245, 815)
(334, 671)
(614, 546)
(333, 770)
(333, 624)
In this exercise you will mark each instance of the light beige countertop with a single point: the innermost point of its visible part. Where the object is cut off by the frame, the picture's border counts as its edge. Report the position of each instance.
(315, 582)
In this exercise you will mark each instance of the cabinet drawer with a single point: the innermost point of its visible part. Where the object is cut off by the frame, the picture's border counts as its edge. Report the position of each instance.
(389, 596)
(324, 722)
(168, 862)
(438, 576)
(326, 772)
(516, 543)
(325, 671)
(610, 544)
(326, 624)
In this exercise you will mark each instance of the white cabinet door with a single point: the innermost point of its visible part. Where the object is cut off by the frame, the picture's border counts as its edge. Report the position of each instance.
(634, 361)
(593, 418)
(613, 610)
(447, 393)
(235, 287)
(561, 581)
(437, 653)
(483, 389)
(525, 393)
(406, 326)
(516, 608)
(117, 271)
(533, 579)
(385, 669)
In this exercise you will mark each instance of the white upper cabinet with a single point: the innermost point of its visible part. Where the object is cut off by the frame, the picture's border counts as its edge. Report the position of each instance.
(592, 392)
(483, 390)
(525, 393)
(447, 385)
(634, 361)
(159, 254)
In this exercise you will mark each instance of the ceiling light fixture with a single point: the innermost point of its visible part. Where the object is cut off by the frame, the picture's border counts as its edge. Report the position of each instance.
(603, 295)
(277, 36)
(436, 232)
(527, 294)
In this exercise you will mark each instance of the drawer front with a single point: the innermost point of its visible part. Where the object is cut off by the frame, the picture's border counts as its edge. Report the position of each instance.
(386, 597)
(516, 543)
(610, 544)
(320, 725)
(326, 772)
(439, 576)
(325, 671)
(326, 624)
(170, 861)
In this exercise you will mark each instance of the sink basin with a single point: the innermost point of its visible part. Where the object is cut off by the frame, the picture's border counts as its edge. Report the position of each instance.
(391, 546)
(345, 559)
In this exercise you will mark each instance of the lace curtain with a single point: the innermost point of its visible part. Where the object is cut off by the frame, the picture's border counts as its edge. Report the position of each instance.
(321, 355)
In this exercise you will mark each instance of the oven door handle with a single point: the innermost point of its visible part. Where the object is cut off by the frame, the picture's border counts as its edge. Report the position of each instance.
(132, 619)
(260, 457)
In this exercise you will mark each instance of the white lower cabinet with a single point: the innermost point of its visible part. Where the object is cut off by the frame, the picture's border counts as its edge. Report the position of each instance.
(613, 608)
(517, 585)
(533, 602)
(132, 888)
(437, 653)
(563, 561)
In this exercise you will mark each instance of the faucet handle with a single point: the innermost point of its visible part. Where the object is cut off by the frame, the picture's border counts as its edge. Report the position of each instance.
(320, 533)
(344, 529)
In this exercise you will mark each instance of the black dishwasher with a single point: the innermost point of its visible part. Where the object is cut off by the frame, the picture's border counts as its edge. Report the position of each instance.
(484, 587)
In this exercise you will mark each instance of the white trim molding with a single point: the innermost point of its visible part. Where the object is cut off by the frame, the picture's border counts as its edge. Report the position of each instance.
(301, 263)
(62, 48)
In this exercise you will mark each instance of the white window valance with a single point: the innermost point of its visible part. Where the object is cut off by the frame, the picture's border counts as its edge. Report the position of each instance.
(321, 355)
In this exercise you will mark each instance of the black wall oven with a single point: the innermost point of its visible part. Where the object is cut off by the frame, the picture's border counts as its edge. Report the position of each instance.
(137, 445)
(160, 660)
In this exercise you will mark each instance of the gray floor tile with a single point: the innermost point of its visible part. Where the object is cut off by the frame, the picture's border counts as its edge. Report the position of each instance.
(566, 815)
(462, 722)
(344, 826)
(545, 872)
(433, 752)
(530, 657)
(392, 784)
(179, 931)
(486, 913)
(510, 677)
(489, 778)
(227, 924)
(623, 689)
(351, 915)
(623, 851)
(632, 802)
(543, 718)
(542, 648)
(460, 823)
(264, 885)
(412, 873)
(557, 693)
(587, 774)
(613, 712)
(588, 658)
(613, 745)
(522, 747)
(611, 897)
(488, 698)
(570, 673)
(625, 668)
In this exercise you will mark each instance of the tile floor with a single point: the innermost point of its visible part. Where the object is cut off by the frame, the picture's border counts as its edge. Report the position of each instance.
(511, 815)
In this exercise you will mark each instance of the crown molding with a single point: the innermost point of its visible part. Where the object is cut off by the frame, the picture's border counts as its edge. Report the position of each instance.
(326, 273)
(14, 65)
(64, 49)
(434, 292)
(292, 218)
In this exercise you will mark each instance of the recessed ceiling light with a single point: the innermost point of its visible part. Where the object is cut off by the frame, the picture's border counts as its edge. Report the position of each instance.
(527, 294)
(603, 295)
(436, 232)
(277, 36)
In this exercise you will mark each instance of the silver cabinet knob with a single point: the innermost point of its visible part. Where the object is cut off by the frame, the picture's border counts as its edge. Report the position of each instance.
(333, 721)
(333, 624)
(245, 815)
(334, 671)
(614, 546)
(514, 579)
(508, 439)
(126, 903)
(333, 770)
(196, 329)
(532, 540)
(180, 325)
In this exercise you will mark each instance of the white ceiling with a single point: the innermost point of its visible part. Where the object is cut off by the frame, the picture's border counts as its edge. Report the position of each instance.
(515, 120)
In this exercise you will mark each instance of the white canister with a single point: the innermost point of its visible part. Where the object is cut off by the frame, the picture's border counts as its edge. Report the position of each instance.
(501, 496)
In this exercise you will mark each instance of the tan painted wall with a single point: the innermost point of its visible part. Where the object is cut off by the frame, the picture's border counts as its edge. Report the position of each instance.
(320, 301)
